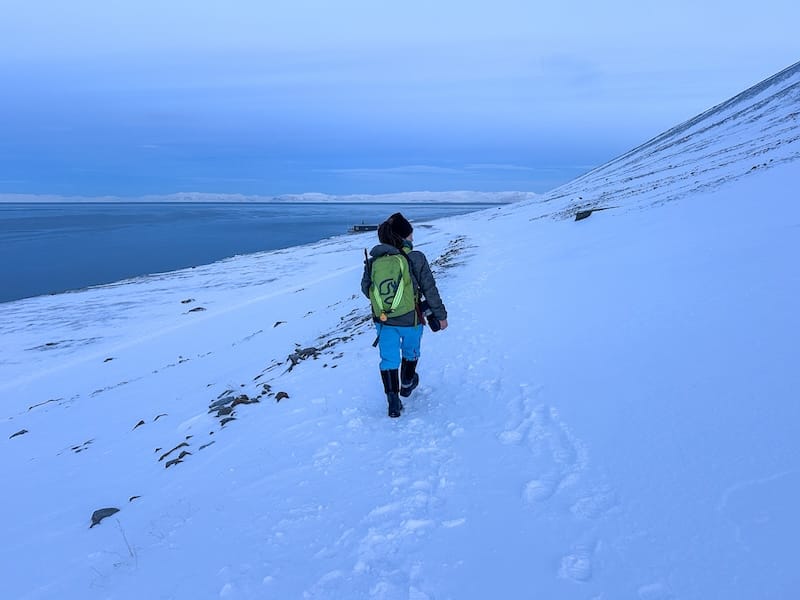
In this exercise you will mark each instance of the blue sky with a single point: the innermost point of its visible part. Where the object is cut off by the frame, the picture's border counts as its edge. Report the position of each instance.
(269, 97)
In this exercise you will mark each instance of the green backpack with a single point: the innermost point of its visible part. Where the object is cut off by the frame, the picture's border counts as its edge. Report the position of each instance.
(391, 292)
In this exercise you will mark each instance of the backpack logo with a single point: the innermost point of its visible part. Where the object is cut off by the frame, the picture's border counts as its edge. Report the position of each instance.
(387, 289)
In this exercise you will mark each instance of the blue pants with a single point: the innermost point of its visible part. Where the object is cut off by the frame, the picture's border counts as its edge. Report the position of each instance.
(394, 341)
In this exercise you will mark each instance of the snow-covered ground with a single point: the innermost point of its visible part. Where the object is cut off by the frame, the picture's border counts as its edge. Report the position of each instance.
(613, 412)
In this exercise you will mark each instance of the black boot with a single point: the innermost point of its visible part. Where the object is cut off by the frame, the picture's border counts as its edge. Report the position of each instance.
(408, 377)
(391, 385)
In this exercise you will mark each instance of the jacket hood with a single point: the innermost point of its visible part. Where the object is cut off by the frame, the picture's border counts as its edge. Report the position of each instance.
(383, 250)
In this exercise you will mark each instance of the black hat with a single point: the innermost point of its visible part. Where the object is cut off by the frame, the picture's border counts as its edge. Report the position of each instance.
(400, 225)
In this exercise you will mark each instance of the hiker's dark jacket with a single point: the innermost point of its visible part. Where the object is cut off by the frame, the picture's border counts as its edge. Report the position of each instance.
(421, 276)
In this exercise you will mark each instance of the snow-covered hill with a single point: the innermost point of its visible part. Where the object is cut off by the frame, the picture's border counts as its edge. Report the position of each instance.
(612, 413)
(752, 131)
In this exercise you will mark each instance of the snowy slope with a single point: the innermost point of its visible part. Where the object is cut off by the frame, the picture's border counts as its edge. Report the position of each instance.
(752, 131)
(612, 413)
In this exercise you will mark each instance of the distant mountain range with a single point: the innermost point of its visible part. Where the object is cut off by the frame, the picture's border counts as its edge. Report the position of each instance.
(463, 197)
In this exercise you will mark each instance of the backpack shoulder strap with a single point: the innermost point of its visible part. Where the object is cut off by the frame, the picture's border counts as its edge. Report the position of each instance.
(411, 274)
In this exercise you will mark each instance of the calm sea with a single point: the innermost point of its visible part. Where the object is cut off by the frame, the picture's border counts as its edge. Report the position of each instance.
(51, 248)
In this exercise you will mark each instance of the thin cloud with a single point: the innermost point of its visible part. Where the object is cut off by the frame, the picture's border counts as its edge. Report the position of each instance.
(538, 169)
(402, 170)
(496, 167)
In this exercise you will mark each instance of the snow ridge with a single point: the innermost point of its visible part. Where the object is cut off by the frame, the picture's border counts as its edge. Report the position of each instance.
(754, 130)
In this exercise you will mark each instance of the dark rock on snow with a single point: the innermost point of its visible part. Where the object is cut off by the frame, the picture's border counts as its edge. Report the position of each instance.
(166, 454)
(101, 514)
(178, 460)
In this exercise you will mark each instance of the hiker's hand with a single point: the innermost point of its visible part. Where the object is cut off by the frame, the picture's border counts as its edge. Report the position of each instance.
(443, 323)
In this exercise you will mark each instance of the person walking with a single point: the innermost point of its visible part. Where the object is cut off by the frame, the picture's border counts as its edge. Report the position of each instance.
(396, 278)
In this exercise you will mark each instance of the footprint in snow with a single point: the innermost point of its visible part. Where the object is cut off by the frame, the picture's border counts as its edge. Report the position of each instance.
(577, 565)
